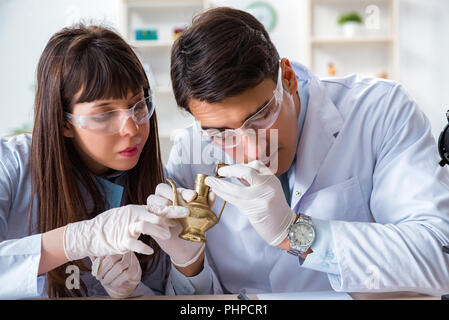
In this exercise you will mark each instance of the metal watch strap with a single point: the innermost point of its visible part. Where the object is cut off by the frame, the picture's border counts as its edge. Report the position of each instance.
(298, 254)
(301, 218)
(304, 218)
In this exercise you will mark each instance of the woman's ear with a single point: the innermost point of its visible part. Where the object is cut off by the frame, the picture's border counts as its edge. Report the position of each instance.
(288, 76)
(68, 130)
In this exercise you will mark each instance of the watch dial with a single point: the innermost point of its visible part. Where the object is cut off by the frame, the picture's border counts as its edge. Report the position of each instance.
(303, 235)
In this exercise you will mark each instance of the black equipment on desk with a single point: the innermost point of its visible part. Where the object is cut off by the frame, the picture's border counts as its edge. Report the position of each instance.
(443, 149)
(445, 296)
(443, 143)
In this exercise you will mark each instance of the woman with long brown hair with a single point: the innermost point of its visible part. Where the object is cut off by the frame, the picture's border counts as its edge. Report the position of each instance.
(77, 187)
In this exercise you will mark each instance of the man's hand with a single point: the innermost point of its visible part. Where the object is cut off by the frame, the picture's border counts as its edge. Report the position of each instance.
(183, 253)
(263, 200)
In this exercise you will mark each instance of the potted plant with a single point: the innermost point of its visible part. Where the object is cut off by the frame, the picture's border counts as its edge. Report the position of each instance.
(350, 22)
(26, 128)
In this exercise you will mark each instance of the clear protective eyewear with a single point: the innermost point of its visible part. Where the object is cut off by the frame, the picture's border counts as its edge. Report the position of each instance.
(262, 119)
(112, 122)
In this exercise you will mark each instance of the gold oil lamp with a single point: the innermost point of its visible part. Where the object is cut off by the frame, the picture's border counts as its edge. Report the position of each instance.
(201, 218)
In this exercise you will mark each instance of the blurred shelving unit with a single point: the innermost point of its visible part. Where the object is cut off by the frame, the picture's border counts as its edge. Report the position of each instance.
(371, 51)
(162, 17)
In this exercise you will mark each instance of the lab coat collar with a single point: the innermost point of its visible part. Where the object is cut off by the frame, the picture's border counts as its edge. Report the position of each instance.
(322, 125)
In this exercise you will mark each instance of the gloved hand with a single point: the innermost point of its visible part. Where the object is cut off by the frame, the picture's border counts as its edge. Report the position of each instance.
(119, 274)
(182, 252)
(116, 231)
(263, 200)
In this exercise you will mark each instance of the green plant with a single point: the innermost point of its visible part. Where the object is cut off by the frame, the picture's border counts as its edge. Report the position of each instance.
(26, 128)
(350, 17)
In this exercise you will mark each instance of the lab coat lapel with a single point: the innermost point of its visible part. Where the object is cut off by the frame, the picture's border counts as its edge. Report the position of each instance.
(321, 127)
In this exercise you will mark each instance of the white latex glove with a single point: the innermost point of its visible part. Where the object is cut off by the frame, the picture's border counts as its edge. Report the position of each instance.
(119, 274)
(116, 231)
(182, 252)
(263, 200)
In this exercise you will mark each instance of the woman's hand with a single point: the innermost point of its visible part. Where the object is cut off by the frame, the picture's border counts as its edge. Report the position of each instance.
(119, 274)
(116, 232)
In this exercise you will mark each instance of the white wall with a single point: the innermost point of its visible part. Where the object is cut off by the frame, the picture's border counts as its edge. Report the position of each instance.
(424, 56)
(289, 33)
(423, 48)
(26, 26)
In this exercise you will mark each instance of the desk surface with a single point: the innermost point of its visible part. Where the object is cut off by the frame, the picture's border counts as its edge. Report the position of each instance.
(355, 296)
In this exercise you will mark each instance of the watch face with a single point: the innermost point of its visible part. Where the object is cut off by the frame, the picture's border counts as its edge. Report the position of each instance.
(302, 234)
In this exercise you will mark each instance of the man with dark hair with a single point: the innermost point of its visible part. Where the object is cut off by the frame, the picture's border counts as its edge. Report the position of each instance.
(341, 174)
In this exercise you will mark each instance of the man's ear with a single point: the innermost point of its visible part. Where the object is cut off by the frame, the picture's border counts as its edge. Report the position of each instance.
(68, 130)
(288, 76)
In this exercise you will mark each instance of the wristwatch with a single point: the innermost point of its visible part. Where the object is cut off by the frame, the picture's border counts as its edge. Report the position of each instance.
(301, 235)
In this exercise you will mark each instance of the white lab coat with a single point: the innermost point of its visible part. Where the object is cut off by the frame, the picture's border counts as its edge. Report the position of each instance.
(366, 162)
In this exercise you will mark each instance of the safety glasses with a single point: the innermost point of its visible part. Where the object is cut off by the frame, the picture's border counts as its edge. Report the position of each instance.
(112, 122)
(262, 119)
